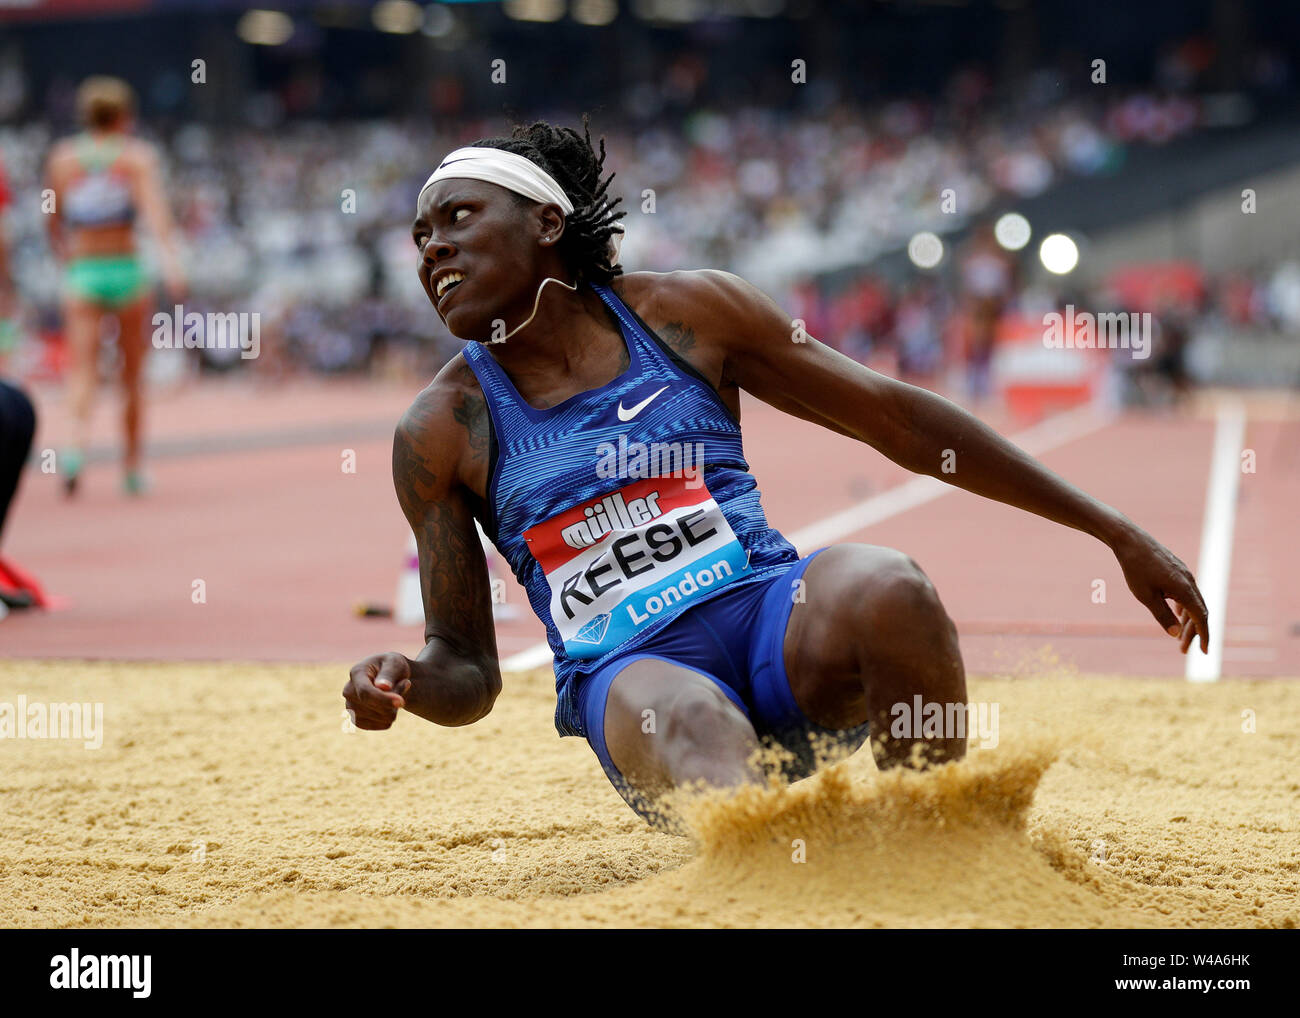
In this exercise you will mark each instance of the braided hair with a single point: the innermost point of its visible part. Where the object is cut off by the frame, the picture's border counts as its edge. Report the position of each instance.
(569, 157)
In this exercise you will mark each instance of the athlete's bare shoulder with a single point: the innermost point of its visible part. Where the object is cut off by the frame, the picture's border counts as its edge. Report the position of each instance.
(139, 152)
(697, 312)
(441, 442)
(143, 160)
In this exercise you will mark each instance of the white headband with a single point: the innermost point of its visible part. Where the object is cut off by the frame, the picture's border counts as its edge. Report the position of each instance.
(515, 173)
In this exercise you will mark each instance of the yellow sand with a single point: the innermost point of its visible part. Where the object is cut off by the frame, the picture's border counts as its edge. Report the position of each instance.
(232, 795)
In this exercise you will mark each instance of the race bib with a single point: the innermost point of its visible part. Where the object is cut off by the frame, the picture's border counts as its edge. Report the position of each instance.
(617, 562)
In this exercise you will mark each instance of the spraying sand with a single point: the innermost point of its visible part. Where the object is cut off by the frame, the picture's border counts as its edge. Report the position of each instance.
(235, 795)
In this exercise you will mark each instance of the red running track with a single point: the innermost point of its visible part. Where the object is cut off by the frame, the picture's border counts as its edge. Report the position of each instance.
(250, 498)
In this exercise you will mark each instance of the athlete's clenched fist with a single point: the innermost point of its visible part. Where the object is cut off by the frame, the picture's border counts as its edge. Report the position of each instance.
(376, 689)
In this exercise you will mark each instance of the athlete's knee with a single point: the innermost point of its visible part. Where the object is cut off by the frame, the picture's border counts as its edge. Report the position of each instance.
(882, 584)
(700, 727)
(900, 588)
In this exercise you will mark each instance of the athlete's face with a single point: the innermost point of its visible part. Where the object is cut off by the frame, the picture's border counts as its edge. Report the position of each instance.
(479, 233)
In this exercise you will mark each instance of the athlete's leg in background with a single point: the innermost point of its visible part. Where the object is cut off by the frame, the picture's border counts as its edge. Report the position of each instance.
(81, 324)
(131, 342)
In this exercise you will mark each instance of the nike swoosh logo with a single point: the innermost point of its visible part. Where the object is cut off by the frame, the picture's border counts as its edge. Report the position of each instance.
(627, 415)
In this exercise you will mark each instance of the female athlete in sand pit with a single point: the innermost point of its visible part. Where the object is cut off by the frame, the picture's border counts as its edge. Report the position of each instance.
(685, 629)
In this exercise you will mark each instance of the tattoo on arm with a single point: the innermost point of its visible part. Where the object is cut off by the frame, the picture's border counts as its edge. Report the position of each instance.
(471, 413)
(454, 582)
(412, 477)
(453, 573)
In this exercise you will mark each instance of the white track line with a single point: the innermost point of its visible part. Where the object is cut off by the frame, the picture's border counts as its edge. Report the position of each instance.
(534, 657)
(1049, 434)
(1216, 538)
(1042, 437)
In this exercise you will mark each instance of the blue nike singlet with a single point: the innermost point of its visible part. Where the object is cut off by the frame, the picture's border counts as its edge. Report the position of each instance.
(622, 506)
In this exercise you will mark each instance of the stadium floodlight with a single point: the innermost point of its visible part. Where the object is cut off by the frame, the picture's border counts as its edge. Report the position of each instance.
(669, 10)
(400, 17)
(1012, 231)
(264, 28)
(534, 10)
(925, 249)
(1059, 254)
(594, 12)
(438, 21)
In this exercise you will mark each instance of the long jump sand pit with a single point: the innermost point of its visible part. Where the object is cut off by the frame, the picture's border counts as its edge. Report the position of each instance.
(235, 795)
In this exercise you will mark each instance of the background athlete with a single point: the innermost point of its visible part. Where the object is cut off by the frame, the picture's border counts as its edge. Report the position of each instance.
(719, 669)
(101, 178)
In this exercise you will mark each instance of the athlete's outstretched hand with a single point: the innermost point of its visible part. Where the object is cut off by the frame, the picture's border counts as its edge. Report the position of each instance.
(376, 689)
(1155, 575)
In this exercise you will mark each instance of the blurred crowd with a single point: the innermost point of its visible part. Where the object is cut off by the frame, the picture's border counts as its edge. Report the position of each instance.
(942, 336)
(308, 224)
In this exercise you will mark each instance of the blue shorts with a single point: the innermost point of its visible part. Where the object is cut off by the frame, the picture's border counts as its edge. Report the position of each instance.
(737, 641)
